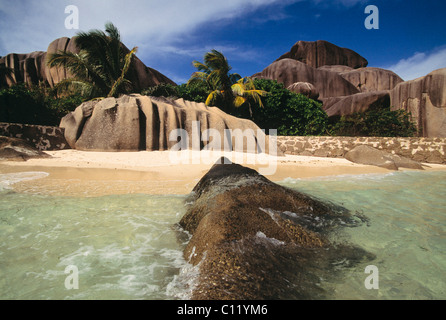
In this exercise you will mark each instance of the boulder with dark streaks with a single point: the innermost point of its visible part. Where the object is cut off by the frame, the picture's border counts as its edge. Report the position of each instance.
(320, 53)
(135, 122)
(254, 239)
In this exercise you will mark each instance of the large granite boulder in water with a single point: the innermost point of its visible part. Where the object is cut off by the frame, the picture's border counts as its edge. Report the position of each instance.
(254, 239)
(135, 122)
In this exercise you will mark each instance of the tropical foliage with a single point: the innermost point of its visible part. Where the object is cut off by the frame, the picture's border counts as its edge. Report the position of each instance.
(35, 105)
(290, 113)
(227, 91)
(100, 67)
(196, 92)
(378, 122)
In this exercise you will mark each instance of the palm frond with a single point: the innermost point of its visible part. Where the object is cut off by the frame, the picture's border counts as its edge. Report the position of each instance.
(239, 101)
(212, 97)
(75, 85)
(121, 79)
(238, 89)
(79, 66)
(201, 67)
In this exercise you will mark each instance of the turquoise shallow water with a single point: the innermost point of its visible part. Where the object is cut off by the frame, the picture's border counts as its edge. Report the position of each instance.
(129, 247)
(406, 231)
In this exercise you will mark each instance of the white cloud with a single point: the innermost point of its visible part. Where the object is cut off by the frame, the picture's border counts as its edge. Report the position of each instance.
(27, 25)
(420, 64)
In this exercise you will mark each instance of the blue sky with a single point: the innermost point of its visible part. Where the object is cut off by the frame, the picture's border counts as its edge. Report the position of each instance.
(170, 34)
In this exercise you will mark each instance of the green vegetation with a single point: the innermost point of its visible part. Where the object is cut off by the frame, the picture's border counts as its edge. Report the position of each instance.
(380, 122)
(227, 91)
(290, 113)
(196, 92)
(37, 105)
(99, 68)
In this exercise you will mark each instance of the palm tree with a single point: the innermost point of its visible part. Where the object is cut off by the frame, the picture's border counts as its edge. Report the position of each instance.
(100, 67)
(228, 90)
(215, 73)
(245, 93)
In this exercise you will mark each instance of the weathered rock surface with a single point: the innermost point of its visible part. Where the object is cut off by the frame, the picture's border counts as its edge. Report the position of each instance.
(32, 68)
(289, 71)
(359, 102)
(364, 154)
(425, 99)
(372, 79)
(305, 88)
(41, 137)
(336, 68)
(254, 239)
(320, 53)
(14, 149)
(28, 68)
(322, 64)
(135, 122)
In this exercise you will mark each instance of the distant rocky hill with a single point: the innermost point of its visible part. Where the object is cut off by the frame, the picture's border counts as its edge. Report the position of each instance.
(345, 85)
(32, 69)
(323, 53)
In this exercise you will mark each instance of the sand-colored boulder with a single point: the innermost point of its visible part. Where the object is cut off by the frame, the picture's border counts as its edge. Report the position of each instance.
(254, 239)
(372, 79)
(368, 155)
(74, 122)
(425, 99)
(305, 88)
(356, 103)
(135, 122)
(289, 71)
(320, 53)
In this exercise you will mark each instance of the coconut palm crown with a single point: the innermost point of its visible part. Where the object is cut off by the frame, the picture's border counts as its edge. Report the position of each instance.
(100, 66)
(227, 90)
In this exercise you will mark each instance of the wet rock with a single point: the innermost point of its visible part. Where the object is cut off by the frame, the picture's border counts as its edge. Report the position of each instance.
(254, 239)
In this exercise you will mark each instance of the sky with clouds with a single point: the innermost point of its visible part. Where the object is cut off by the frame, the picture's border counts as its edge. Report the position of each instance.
(170, 34)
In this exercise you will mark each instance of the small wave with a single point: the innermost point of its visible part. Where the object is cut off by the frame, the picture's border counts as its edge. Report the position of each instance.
(343, 177)
(8, 179)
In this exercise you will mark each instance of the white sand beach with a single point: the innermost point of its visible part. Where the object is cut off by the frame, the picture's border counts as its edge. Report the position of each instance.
(74, 172)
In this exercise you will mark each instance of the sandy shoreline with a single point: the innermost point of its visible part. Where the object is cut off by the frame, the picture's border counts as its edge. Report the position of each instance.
(73, 172)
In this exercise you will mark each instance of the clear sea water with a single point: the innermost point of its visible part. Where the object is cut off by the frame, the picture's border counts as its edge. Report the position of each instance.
(129, 246)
